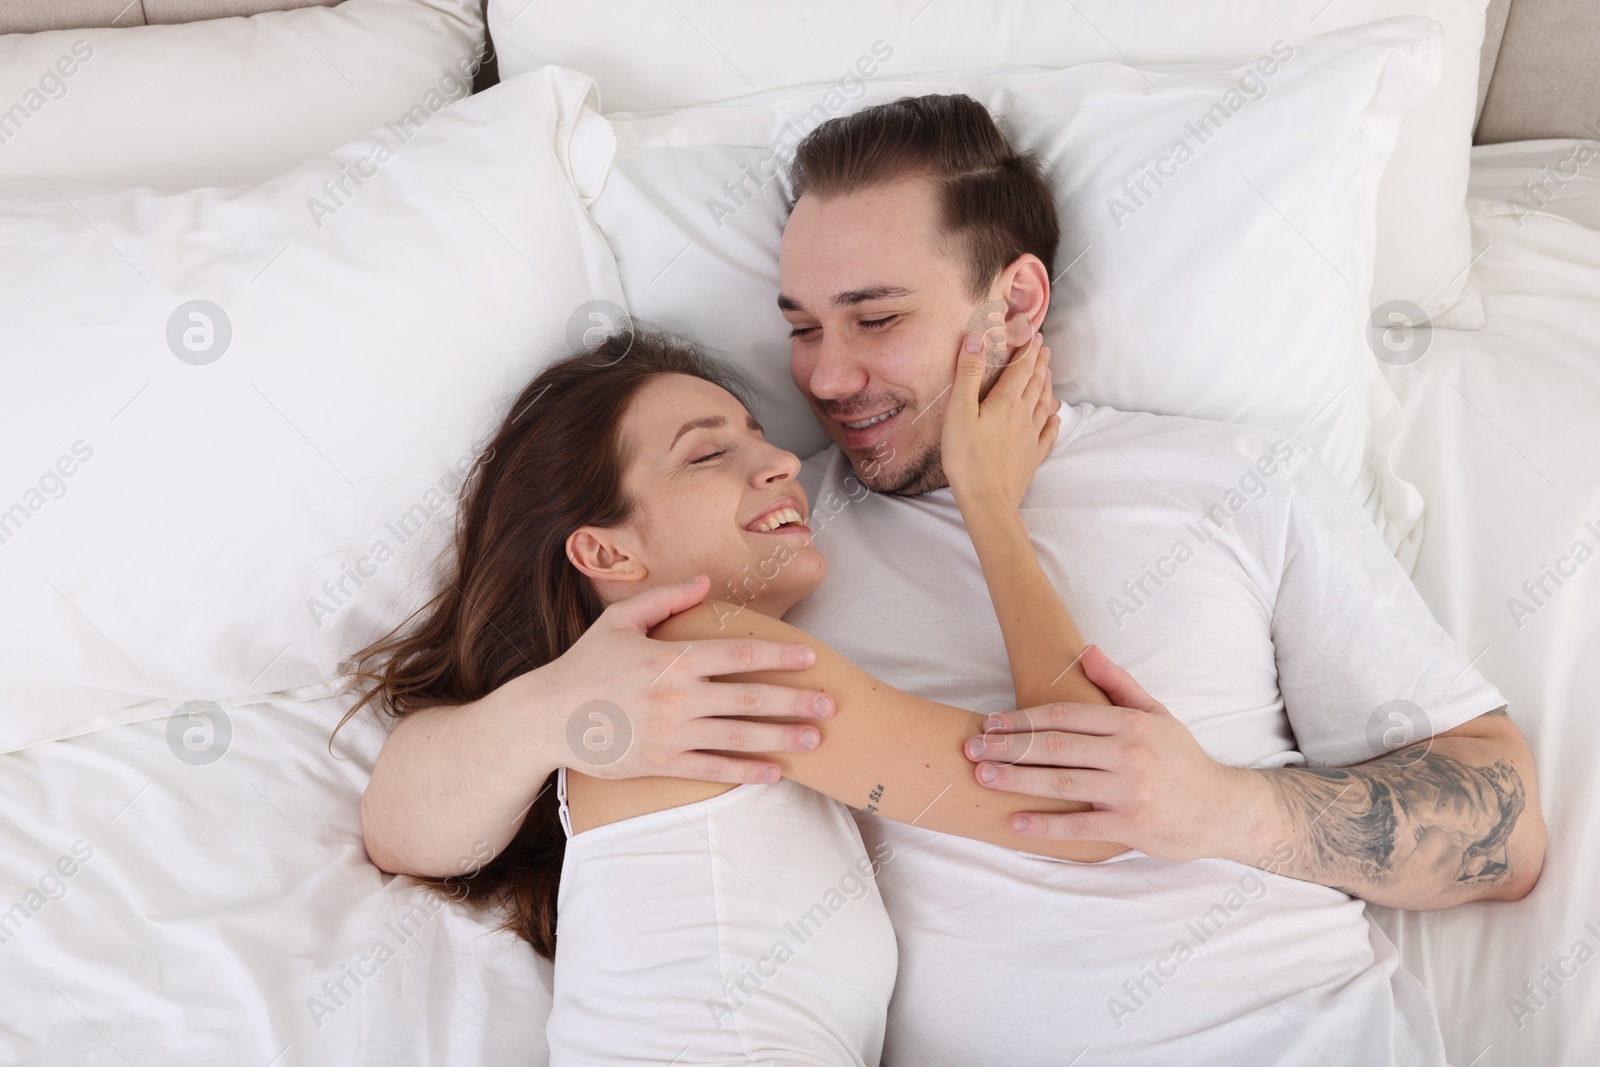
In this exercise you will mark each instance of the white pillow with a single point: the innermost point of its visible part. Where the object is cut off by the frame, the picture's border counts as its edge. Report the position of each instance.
(648, 55)
(230, 101)
(1237, 292)
(205, 523)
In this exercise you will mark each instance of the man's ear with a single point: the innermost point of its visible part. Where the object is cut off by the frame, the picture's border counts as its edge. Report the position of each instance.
(1024, 286)
(605, 555)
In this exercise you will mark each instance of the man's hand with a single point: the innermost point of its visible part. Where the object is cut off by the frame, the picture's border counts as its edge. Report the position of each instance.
(673, 713)
(1450, 819)
(1153, 788)
(453, 784)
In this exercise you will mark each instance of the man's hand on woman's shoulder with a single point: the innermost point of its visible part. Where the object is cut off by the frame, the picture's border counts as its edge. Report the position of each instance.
(452, 785)
(673, 710)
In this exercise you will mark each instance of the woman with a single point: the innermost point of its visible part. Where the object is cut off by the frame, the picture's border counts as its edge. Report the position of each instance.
(701, 922)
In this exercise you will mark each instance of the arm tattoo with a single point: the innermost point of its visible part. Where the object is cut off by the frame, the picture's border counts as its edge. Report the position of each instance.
(873, 798)
(1411, 806)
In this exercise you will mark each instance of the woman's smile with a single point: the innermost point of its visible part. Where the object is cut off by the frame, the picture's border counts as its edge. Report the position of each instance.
(783, 516)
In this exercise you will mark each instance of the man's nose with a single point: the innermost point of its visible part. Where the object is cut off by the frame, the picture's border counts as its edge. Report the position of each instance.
(839, 372)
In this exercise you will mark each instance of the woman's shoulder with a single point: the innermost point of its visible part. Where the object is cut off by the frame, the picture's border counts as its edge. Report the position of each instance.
(714, 618)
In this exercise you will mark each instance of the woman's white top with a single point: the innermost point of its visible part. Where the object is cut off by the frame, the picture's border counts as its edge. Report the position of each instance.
(746, 928)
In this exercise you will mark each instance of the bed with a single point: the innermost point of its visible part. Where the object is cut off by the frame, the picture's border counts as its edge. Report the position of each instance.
(185, 879)
(1516, 489)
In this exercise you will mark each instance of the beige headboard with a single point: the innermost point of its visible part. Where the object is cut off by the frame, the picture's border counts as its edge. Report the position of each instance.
(1540, 75)
(1541, 71)
(31, 16)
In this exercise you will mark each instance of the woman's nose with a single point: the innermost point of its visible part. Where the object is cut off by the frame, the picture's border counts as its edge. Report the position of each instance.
(777, 466)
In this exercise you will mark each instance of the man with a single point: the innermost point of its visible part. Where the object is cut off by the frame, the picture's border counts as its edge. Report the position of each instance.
(1222, 565)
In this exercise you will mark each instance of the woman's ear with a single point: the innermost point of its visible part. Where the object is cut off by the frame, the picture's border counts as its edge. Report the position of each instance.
(604, 556)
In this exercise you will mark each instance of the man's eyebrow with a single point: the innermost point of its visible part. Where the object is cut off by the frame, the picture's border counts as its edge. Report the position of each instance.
(711, 422)
(850, 297)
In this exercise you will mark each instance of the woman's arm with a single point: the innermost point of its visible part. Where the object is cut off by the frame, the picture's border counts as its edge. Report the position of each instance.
(1042, 642)
(883, 750)
(991, 449)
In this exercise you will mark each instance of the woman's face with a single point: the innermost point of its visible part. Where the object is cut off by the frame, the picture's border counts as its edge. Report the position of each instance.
(710, 496)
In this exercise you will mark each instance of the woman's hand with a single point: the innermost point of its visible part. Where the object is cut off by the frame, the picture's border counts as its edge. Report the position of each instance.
(993, 447)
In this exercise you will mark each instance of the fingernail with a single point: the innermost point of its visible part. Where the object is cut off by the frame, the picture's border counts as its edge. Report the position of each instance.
(987, 773)
(1019, 823)
(994, 722)
(809, 739)
(823, 707)
(808, 656)
(974, 342)
(771, 774)
(976, 747)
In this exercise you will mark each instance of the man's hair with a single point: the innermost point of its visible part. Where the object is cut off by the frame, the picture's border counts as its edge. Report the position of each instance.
(994, 203)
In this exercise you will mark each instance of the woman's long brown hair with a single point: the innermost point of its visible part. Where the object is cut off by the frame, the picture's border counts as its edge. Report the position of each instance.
(510, 601)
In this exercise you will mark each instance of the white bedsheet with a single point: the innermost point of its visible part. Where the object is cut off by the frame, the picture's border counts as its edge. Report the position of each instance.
(218, 899)
(1567, 178)
(1503, 439)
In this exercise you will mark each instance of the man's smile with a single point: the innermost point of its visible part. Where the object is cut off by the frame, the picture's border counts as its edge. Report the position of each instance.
(862, 432)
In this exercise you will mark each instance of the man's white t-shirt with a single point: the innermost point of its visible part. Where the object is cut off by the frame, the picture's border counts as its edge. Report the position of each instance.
(1235, 579)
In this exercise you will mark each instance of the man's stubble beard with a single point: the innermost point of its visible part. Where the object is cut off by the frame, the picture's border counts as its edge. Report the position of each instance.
(925, 472)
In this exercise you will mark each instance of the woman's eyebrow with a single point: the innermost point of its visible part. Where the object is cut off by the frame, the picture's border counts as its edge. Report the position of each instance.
(710, 422)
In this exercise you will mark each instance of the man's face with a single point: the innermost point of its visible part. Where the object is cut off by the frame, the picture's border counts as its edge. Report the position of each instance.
(879, 309)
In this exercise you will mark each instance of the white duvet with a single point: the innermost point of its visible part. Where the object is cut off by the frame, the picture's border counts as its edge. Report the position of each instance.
(226, 912)
(1503, 439)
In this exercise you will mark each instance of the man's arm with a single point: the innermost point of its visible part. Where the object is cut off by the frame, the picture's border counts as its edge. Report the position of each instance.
(453, 784)
(1450, 819)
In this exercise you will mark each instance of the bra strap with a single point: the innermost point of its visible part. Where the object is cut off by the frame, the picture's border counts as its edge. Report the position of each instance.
(561, 800)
